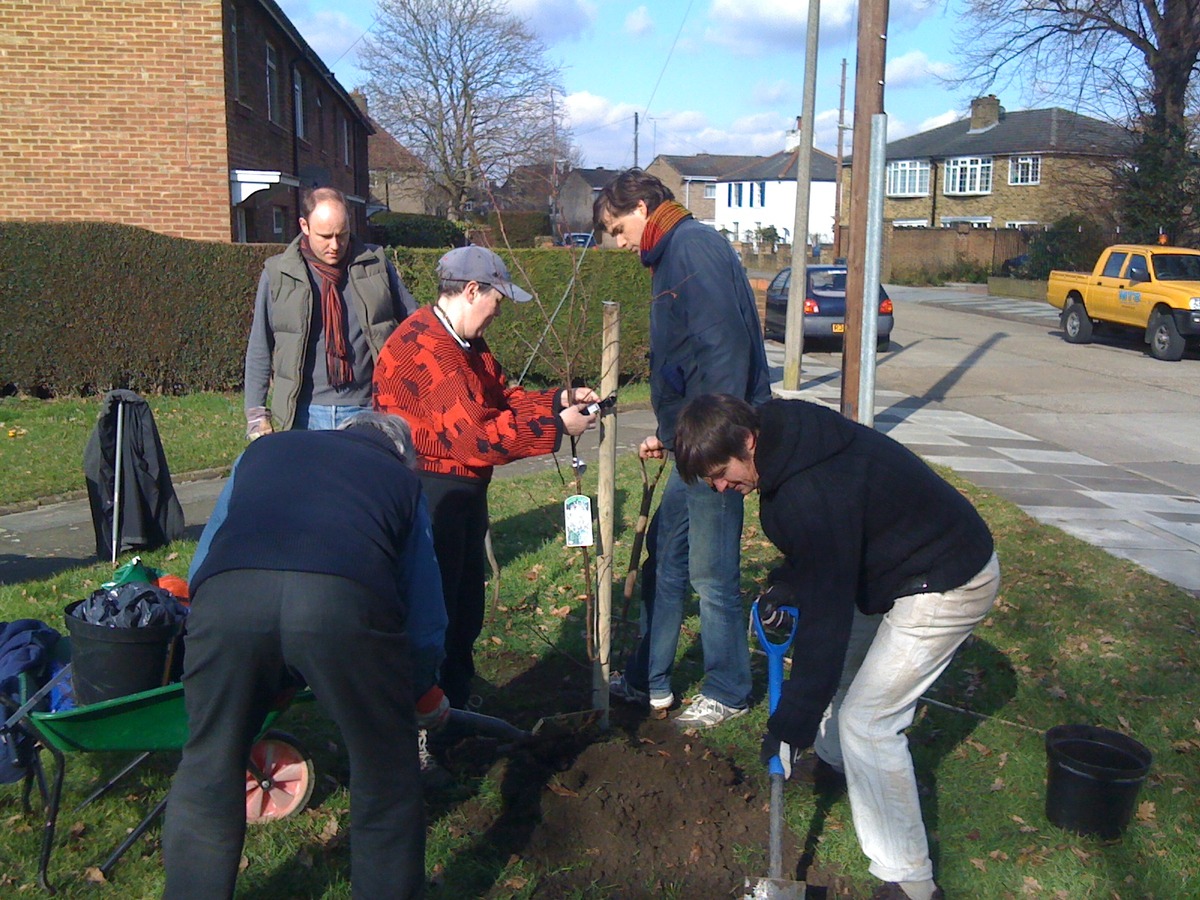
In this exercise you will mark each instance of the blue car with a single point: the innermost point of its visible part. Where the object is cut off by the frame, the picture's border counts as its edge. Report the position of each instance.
(824, 307)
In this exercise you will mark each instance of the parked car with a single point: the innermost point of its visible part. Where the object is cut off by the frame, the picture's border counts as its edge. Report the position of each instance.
(578, 239)
(824, 307)
(1152, 290)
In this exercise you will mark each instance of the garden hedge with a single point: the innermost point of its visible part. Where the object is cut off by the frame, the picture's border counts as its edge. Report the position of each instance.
(85, 307)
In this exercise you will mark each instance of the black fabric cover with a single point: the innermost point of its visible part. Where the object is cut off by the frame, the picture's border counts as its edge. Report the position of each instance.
(150, 514)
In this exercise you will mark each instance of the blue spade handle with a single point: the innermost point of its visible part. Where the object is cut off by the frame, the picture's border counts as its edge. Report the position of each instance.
(775, 652)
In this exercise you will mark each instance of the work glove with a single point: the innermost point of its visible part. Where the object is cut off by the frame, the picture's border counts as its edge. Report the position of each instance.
(433, 710)
(769, 603)
(258, 422)
(772, 747)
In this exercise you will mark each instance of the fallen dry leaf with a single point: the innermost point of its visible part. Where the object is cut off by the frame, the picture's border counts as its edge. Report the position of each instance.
(979, 864)
(496, 639)
(997, 785)
(1146, 811)
(93, 875)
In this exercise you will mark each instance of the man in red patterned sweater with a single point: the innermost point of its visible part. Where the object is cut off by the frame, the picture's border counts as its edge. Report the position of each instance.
(436, 370)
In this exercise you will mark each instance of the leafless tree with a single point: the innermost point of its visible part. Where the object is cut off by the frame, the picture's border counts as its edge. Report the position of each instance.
(1136, 57)
(1137, 53)
(466, 86)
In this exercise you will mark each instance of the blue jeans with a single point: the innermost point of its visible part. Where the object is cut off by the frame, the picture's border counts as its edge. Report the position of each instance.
(325, 418)
(694, 538)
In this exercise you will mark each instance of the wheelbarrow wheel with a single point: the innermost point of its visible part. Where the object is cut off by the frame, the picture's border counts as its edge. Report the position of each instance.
(279, 778)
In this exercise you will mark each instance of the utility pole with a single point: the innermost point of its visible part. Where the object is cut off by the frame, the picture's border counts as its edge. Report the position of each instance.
(793, 347)
(837, 175)
(868, 101)
(635, 140)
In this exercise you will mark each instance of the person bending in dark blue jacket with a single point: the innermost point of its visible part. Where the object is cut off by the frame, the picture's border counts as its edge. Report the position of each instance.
(890, 568)
(317, 567)
(704, 338)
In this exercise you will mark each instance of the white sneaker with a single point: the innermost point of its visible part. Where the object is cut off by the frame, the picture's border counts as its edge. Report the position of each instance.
(622, 690)
(705, 712)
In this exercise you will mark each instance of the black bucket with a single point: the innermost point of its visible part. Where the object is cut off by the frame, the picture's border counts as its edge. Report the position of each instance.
(1093, 776)
(107, 663)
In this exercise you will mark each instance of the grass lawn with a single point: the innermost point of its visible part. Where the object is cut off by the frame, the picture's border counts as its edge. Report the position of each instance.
(1077, 636)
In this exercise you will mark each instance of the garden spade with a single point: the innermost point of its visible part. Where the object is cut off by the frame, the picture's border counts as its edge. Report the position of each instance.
(775, 886)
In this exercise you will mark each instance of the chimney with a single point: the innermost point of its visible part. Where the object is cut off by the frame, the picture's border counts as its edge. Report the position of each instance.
(985, 113)
(791, 139)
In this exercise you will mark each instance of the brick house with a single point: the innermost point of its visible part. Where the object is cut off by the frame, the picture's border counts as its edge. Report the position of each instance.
(1001, 170)
(578, 193)
(201, 119)
(693, 179)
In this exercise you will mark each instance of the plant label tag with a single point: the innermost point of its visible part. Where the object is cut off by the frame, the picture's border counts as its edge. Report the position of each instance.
(577, 511)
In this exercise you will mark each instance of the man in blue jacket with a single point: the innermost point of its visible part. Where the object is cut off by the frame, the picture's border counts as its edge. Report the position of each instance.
(316, 567)
(705, 338)
(890, 568)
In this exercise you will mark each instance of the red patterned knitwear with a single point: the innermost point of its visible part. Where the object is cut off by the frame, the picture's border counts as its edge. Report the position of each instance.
(465, 419)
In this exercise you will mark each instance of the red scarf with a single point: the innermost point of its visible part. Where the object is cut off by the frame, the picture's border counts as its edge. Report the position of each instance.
(666, 216)
(333, 313)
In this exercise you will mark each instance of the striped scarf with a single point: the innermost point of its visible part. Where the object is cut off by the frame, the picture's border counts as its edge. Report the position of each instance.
(333, 313)
(666, 216)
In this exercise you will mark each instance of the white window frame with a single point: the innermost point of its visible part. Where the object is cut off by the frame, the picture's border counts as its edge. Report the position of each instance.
(274, 100)
(973, 221)
(1024, 170)
(710, 192)
(967, 175)
(908, 178)
(298, 105)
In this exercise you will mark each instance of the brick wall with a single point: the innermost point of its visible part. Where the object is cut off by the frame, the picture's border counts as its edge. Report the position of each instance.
(114, 110)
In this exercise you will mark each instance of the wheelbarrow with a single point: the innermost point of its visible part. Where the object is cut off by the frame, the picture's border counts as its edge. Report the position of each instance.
(279, 773)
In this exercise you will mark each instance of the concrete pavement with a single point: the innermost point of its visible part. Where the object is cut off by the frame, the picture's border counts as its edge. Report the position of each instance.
(1137, 515)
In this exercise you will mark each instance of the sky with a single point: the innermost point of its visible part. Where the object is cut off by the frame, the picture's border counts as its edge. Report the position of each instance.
(705, 76)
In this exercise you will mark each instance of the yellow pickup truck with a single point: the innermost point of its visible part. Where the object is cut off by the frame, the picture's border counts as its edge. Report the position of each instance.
(1155, 289)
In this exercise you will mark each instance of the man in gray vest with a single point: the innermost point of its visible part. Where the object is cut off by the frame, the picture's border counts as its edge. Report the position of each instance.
(324, 308)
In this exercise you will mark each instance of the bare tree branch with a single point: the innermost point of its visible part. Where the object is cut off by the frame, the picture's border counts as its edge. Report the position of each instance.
(465, 85)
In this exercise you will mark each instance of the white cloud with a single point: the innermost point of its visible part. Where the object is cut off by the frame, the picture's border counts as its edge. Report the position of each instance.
(638, 23)
(777, 92)
(555, 20)
(915, 69)
(748, 28)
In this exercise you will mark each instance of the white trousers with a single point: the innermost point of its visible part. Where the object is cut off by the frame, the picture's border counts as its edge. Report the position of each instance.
(890, 662)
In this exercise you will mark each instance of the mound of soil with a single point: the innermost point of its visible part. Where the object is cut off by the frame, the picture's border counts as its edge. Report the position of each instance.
(644, 811)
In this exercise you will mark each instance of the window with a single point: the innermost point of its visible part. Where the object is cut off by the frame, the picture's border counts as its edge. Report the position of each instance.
(908, 178)
(345, 140)
(1114, 264)
(277, 219)
(910, 223)
(320, 121)
(969, 175)
(1025, 170)
(973, 221)
(274, 100)
(236, 81)
(710, 192)
(298, 104)
(239, 224)
(737, 193)
(1138, 270)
